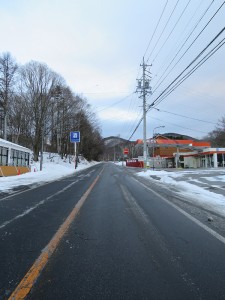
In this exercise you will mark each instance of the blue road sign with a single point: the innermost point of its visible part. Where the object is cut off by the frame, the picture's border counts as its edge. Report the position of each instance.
(75, 136)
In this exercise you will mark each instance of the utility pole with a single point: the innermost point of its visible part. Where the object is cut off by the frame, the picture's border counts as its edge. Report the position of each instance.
(144, 88)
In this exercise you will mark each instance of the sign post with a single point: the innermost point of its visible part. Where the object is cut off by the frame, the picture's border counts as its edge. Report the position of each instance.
(75, 138)
(125, 153)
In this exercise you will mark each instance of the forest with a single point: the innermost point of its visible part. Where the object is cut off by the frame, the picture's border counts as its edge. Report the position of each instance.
(38, 108)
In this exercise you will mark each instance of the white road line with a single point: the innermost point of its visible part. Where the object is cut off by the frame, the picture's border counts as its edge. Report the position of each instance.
(21, 192)
(30, 278)
(200, 224)
(27, 211)
(43, 184)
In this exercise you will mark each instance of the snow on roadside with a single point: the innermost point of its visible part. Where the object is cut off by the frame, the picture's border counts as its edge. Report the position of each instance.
(194, 193)
(52, 170)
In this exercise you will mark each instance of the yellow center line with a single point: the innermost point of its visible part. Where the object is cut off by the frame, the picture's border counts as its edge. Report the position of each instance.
(30, 278)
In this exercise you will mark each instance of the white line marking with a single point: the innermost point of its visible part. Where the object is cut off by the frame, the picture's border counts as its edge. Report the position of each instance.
(199, 223)
(41, 184)
(27, 211)
(30, 278)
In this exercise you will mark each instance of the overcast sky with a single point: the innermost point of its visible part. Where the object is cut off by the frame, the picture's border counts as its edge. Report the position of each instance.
(97, 47)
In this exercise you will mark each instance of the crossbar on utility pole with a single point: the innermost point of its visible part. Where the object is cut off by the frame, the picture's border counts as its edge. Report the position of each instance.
(144, 118)
(144, 89)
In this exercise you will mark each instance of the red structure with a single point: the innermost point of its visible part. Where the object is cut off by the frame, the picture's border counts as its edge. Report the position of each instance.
(134, 163)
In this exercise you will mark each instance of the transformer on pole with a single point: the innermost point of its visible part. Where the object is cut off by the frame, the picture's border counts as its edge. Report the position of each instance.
(144, 88)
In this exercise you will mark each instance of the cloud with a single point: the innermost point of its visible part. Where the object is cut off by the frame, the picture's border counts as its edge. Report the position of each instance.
(97, 46)
(116, 114)
(211, 86)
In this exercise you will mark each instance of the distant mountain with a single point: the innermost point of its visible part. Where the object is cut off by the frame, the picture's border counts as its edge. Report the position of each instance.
(114, 140)
(113, 147)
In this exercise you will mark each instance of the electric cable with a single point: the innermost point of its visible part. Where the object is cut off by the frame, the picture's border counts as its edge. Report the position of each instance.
(179, 115)
(191, 44)
(177, 81)
(200, 63)
(192, 62)
(156, 27)
(171, 31)
(131, 130)
(184, 43)
(136, 128)
(179, 125)
(131, 109)
(163, 29)
(115, 103)
(205, 58)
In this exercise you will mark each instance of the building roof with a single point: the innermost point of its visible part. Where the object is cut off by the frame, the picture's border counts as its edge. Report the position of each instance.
(163, 141)
(191, 143)
(7, 144)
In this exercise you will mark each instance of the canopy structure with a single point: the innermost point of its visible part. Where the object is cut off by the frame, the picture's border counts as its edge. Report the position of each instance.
(180, 151)
(165, 147)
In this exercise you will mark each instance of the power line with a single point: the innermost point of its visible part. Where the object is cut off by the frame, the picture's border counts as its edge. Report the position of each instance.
(196, 25)
(179, 125)
(136, 128)
(163, 29)
(161, 97)
(160, 110)
(171, 31)
(200, 63)
(131, 109)
(189, 46)
(157, 100)
(115, 103)
(181, 77)
(156, 27)
(154, 31)
(133, 130)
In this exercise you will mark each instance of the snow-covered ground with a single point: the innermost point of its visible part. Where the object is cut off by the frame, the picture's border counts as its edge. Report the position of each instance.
(205, 187)
(53, 168)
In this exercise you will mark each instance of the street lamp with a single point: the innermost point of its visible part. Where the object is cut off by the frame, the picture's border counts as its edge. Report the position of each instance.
(153, 149)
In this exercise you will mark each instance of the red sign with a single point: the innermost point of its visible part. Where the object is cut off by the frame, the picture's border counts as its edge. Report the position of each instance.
(125, 151)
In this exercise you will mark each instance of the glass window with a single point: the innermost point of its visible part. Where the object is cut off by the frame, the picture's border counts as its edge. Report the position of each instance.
(15, 157)
(27, 157)
(3, 156)
(19, 159)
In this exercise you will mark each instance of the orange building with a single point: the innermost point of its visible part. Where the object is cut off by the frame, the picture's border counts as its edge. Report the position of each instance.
(185, 153)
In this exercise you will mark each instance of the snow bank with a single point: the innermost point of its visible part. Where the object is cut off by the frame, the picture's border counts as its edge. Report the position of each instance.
(53, 168)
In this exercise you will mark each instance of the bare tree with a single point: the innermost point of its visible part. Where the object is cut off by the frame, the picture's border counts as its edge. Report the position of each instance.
(41, 110)
(38, 84)
(64, 110)
(8, 69)
(217, 136)
(16, 118)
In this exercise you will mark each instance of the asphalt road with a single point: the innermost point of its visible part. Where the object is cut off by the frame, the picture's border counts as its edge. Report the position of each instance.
(124, 241)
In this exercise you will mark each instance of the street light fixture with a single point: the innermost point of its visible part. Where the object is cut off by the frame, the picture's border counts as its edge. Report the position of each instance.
(153, 149)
